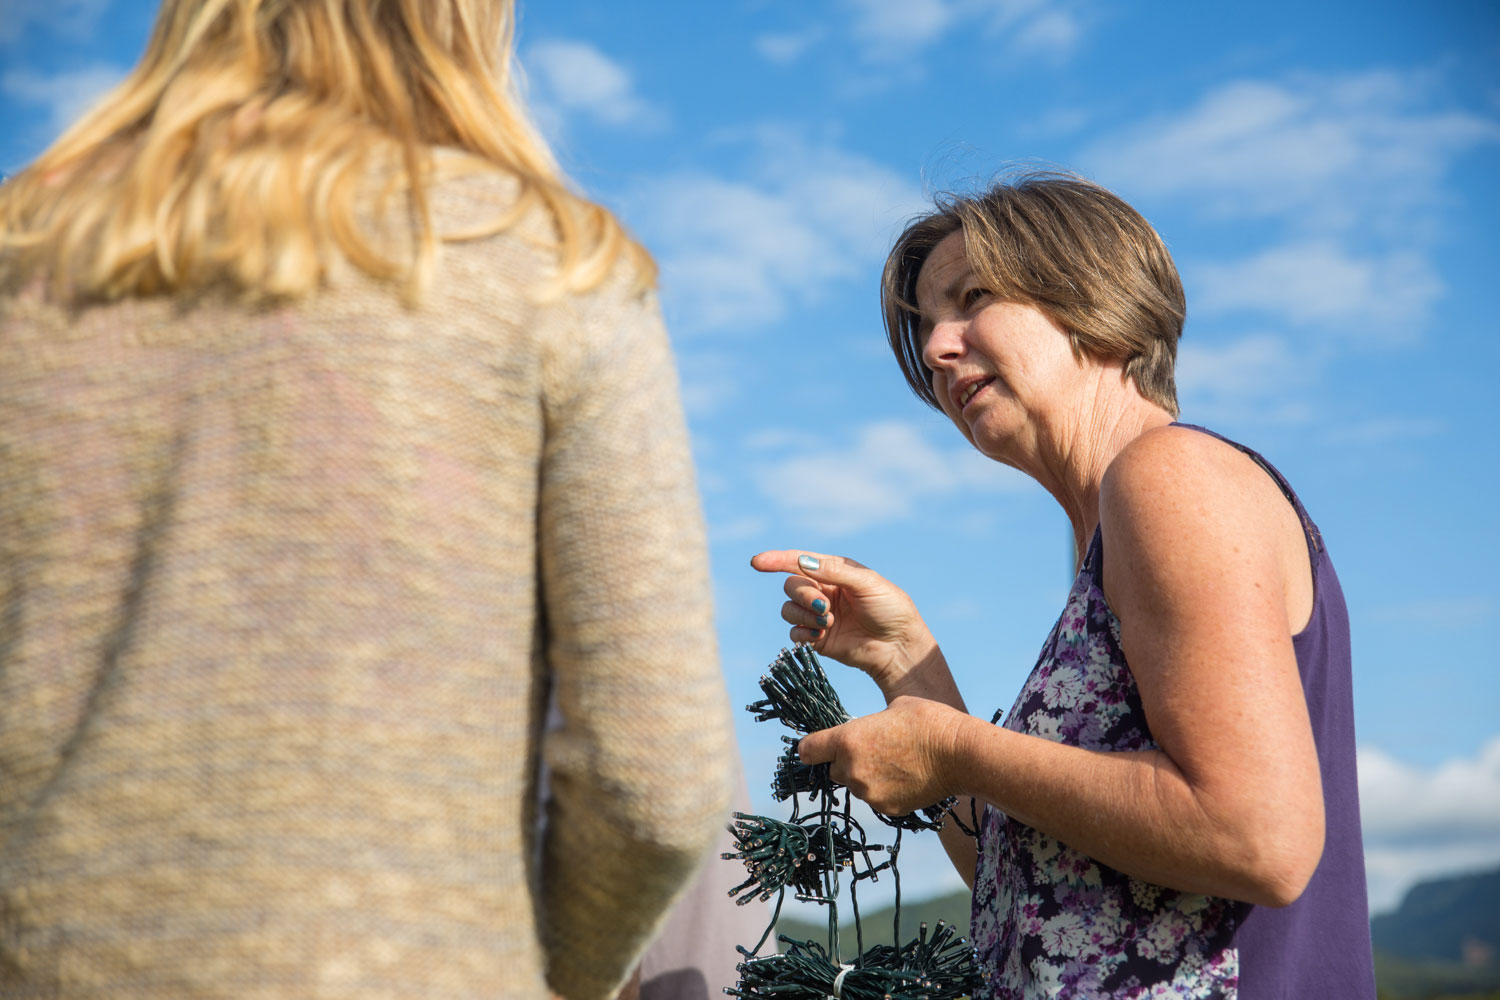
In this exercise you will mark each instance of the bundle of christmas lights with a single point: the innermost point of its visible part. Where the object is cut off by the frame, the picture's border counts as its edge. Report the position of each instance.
(798, 695)
(807, 853)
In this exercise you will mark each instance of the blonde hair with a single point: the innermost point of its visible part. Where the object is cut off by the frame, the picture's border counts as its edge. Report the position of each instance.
(238, 153)
(1070, 248)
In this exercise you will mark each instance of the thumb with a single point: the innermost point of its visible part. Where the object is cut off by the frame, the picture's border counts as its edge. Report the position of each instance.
(819, 747)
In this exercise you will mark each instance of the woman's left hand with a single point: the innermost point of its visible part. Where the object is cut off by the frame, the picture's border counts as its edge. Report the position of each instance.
(898, 760)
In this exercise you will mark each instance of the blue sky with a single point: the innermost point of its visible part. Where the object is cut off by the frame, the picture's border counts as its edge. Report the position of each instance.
(1325, 174)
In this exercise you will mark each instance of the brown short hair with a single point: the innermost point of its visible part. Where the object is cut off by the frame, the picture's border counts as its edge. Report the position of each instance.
(1068, 247)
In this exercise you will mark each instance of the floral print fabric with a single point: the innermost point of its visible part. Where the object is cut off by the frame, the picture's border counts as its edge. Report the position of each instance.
(1049, 921)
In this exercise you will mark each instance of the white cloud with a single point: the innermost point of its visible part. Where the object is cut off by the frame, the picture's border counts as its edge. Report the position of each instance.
(64, 18)
(1422, 823)
(709, 380)
(737, 252)
(1250, 366)
(787, 47)
(889, 27)
(1255, 376)
(1385, 430)
(888, 30)
(575, 78)
(1331, 152)
(1327, 164)
(887, 470)
(1054, 32)
(1319, 283)
(66, 96)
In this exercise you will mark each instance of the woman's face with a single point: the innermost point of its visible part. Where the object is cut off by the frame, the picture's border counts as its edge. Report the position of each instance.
(1003, 371)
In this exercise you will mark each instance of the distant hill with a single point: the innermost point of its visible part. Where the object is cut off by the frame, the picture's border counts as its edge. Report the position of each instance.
(1450, 919)
(1444, 939)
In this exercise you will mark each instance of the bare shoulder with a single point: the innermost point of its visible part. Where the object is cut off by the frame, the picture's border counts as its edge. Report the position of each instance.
(1185, 513)
(1179, 474)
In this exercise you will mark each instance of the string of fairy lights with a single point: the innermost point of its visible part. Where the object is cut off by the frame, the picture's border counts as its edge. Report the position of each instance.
(805, 855)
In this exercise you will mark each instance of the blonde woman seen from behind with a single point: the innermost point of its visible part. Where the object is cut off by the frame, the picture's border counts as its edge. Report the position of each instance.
(337, 431)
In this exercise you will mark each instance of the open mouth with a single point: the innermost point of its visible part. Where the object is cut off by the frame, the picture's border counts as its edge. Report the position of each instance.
(971, 390)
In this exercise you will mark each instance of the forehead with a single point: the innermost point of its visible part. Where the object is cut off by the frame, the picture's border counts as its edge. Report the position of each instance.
(948, 262)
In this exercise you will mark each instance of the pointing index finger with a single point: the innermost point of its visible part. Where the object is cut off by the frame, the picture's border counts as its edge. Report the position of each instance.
(784, 561)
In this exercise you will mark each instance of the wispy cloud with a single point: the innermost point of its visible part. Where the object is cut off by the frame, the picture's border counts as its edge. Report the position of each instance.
(880, 476)
(1332, 153)
(573, 78)
(62, 18)
(1385, 430)
(1325, 164)
(1420, 822)
(889, 30)
(1256, 375)
(710, 380)
(890, 27)
(65, 96)
(736, 251)
(786, 47)
(1323, 285)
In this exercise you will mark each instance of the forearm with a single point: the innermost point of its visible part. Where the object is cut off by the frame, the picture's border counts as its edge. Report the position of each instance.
(1134, 811)
(962, 849)
(928, 676)
(921, 672)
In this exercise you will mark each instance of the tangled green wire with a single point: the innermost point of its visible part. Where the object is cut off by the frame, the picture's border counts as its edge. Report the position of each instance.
(806, 855)
(799, 695)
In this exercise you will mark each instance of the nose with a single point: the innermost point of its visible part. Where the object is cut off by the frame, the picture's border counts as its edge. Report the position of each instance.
(944, 345)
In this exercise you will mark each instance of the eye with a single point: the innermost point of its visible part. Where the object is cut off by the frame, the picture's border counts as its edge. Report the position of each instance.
(974, 296)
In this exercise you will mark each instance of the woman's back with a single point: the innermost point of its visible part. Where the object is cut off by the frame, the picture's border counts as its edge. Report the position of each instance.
(282, 587)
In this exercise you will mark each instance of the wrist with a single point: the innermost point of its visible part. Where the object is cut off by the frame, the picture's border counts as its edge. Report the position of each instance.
(904, 669)
(925, 675)
(956, 754)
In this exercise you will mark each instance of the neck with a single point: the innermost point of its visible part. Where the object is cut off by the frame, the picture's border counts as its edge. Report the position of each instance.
(1076, 447)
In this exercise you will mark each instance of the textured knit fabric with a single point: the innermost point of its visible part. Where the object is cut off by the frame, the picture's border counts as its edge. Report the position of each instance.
(1049, 921)
(282, 592)
(694, 956)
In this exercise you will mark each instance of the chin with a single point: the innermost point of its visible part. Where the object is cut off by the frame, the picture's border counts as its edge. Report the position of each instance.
(992, 442)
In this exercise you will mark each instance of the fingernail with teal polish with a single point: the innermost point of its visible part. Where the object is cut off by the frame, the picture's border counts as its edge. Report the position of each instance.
(808, 562)
(822, 621)
(819, 606)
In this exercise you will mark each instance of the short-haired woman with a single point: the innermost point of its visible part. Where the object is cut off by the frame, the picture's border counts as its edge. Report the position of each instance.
(1169, 809)
(334, 430)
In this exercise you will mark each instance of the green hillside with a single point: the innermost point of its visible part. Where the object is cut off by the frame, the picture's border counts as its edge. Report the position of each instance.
(878, 925)
(1442, 941)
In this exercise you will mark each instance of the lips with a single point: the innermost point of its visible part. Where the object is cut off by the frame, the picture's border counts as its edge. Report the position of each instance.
(966, 390)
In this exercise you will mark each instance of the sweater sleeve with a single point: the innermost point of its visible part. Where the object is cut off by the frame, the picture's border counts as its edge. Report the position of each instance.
(641, 768)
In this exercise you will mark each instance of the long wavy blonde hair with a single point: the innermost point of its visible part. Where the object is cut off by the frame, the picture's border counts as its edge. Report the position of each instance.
(237, 154)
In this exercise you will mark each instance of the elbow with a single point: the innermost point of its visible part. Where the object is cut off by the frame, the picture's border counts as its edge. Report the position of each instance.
(1280, 862)
(1283, 884)
(684, 816)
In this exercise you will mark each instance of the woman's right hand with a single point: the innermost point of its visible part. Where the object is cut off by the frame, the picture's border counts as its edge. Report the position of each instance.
(849, 612)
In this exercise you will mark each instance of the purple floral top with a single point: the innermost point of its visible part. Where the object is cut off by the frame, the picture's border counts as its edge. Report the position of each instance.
(1049, 921)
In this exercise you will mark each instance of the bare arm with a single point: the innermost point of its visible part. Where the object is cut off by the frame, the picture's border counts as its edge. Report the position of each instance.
(1200, 566)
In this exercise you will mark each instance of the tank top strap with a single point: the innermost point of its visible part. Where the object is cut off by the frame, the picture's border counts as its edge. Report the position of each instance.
(1309, 529)
(1093, 556)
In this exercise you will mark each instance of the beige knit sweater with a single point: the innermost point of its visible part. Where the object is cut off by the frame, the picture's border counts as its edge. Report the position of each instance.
(281, 593)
